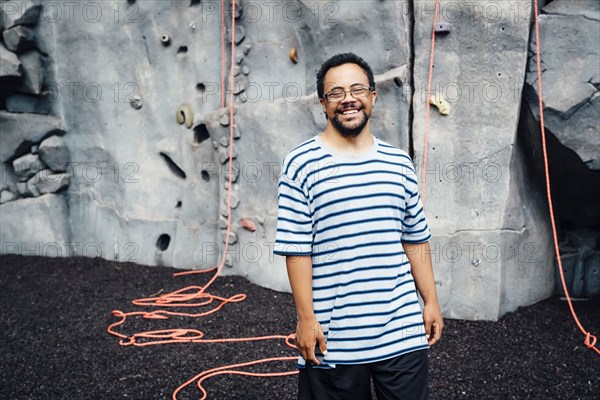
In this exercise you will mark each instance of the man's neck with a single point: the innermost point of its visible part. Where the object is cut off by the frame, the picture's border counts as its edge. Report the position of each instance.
(357, 144)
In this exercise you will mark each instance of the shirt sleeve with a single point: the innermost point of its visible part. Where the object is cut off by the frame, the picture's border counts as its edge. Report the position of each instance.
(294, 221)
(414, 226)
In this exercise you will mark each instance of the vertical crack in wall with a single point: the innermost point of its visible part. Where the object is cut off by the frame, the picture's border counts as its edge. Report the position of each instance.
(411, 111)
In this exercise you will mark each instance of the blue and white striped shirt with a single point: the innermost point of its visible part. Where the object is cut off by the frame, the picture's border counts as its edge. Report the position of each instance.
(351, 213)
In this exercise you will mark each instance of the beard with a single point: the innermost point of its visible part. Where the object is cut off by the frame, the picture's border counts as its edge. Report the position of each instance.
(349, 131)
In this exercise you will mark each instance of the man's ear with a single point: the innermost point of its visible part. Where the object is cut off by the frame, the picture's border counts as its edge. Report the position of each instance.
(323, 105)
(373, 97)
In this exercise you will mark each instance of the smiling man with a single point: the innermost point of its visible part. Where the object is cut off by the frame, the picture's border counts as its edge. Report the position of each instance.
(353, 230)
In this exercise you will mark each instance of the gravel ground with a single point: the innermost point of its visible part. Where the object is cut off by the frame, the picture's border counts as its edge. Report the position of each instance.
(54, 341)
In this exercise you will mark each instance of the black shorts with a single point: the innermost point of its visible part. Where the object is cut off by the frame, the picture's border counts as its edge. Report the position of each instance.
(400, 378)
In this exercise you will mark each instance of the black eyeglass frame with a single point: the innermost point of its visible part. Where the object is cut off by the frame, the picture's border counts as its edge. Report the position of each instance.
(369, 90)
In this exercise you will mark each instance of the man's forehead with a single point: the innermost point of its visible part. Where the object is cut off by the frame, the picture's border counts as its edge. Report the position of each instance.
(346, 75)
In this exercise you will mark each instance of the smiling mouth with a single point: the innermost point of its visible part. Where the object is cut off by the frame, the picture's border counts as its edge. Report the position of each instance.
(349, 112)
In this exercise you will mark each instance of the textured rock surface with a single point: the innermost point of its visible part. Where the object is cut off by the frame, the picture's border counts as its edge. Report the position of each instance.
(54, 153)
(10, 70)
(145, 187)
(33, 72)
(43, 232)
(488, 231)
(569, 38)
(23, 12)
(18, 38)
(19, 129)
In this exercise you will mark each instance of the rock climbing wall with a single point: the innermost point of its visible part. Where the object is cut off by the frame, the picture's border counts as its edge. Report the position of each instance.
(489, 227)
(569, 34)
(115, 141)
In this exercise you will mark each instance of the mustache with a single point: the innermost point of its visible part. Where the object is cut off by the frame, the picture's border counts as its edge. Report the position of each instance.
(357, 108)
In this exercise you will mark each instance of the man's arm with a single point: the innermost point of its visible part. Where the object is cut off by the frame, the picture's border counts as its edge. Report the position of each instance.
(308, 330)
(419, 257)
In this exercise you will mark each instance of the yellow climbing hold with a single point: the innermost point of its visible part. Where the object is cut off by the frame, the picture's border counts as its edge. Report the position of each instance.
(185, 114)
(442, 105)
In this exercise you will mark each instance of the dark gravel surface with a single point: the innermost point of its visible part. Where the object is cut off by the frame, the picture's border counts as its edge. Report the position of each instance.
(54, 314)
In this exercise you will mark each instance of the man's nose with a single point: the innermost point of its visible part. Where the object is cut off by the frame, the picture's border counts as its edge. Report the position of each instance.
(348, 98)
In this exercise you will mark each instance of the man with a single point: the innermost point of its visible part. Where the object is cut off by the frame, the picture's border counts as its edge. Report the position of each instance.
(352, 228)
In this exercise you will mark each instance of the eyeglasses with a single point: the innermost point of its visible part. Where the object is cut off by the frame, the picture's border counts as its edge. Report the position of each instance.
(338, 94)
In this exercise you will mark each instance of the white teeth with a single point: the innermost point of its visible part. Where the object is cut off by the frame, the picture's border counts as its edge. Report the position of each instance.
(350, 112)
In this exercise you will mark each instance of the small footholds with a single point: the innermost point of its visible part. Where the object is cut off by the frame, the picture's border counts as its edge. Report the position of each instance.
(239, 58)
(224, 141)
(443, 27)
(185, 114)
(224, 120)
(442, 105)
(234, 201)
(229, 261)
(236, 70)
(222, 223)
(224, 212)
(476, 262)
(236, 132)
(245, 70)
(232, 238)
(294, 55)
(247, 48)
(165, 40)
(234, 174)
(192, 26)
(240, 84)
(224, 154)
(136, 101)
(248, 224)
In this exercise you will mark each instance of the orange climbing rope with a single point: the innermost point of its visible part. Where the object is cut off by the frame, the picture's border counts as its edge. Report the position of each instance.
(590, 340)
(223, 54)
(428, 106)
(196, 296)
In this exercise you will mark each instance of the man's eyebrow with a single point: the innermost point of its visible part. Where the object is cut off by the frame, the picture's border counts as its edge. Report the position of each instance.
(354, 84)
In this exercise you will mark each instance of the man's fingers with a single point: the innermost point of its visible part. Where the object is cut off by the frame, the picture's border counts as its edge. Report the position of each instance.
(310, 356)
(434, 336)
(322, 343)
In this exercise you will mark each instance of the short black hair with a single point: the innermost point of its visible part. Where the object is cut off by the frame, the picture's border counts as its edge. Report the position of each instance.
(340, 59)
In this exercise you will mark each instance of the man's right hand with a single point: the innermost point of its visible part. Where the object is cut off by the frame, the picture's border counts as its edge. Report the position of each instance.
(308, 334)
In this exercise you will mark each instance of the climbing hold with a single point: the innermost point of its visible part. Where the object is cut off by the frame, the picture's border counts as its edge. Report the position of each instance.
(165, 40)
(236, 132)
(224, 141)
(232, 238)
(442, 105)
(184, 114)
(192, 26)
(234, 201)
(136, 101)
(294, 55)
(224, 120)
(239, 58)
(245, 70)
(443, 27)
(248, 224)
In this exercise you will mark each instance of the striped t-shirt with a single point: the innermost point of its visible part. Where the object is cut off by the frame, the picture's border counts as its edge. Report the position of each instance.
(351, 213)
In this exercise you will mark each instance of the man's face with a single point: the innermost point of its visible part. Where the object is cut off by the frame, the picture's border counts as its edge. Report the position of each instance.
(349, 116)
